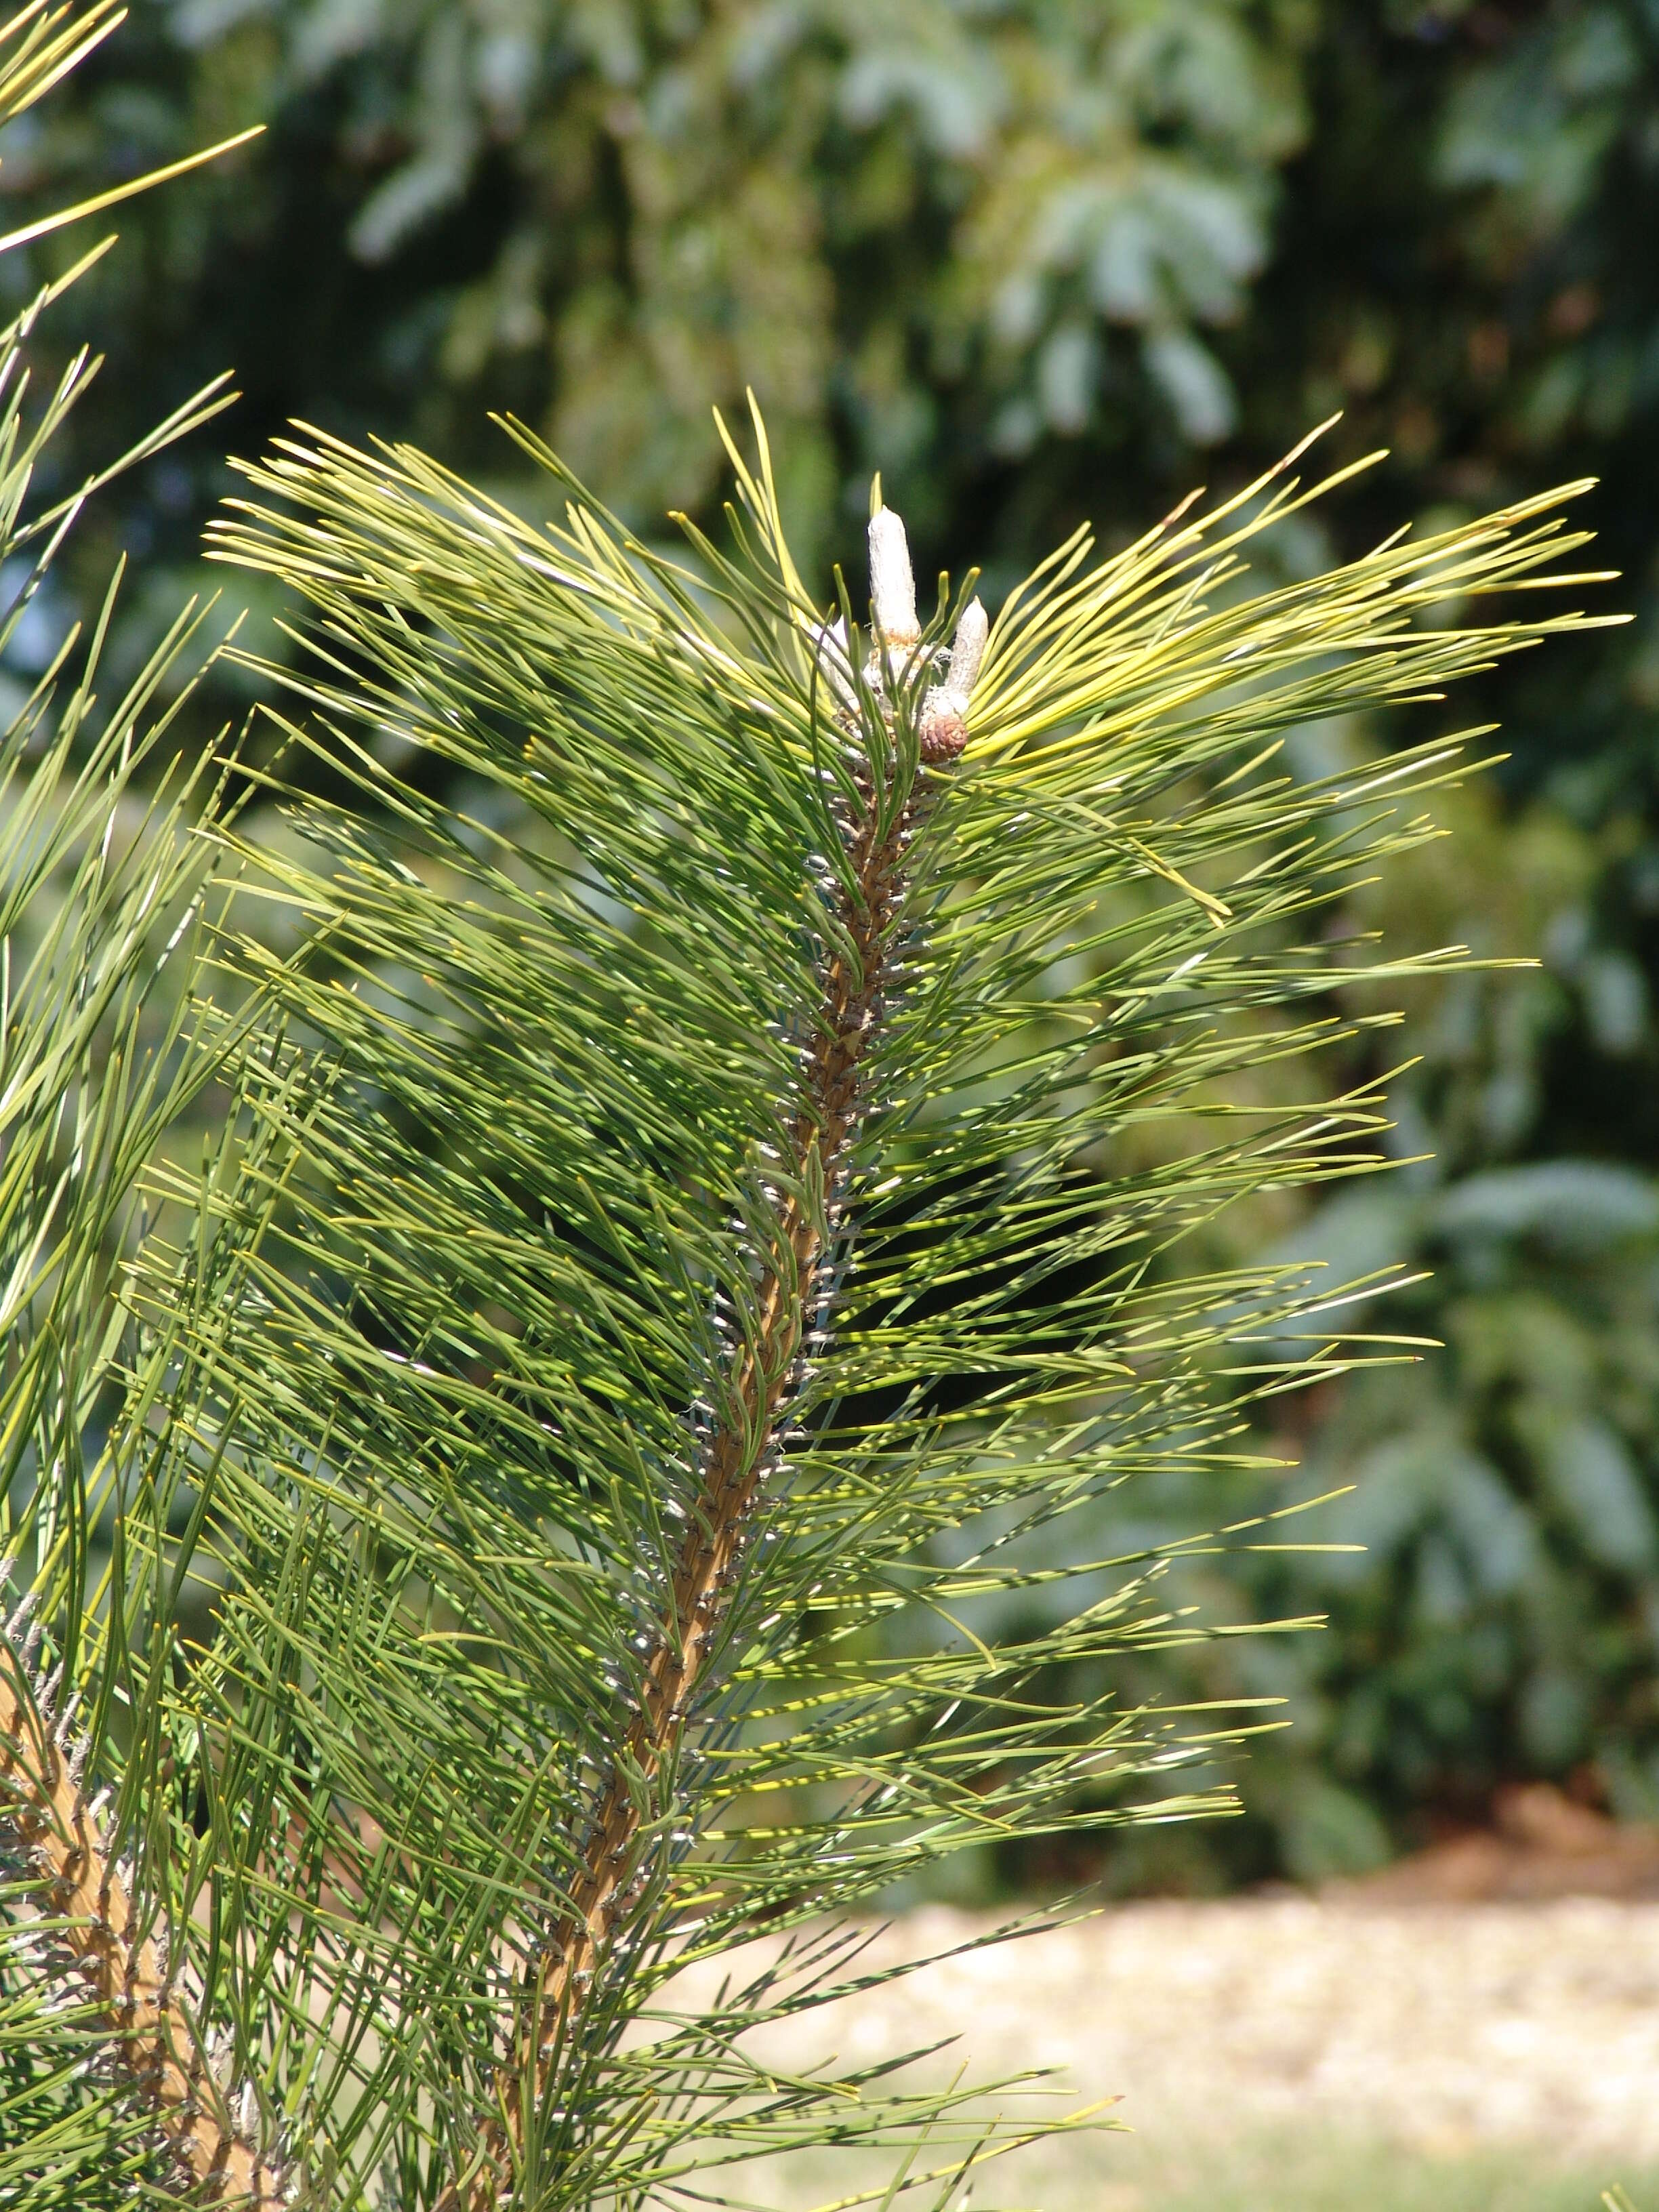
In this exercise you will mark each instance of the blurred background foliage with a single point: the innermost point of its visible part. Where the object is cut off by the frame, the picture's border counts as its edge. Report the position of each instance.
(1036, 260)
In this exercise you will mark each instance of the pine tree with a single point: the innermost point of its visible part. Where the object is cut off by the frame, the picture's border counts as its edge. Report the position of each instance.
(102, 895)
(726, 1095)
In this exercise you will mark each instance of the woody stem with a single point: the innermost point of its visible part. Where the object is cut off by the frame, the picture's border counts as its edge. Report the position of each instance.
(761, 1383)
(97, 1935)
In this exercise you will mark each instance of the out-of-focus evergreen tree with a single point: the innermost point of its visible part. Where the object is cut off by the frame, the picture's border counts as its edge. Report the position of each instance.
(1465, 265)
(1036, 260)
(984, 248)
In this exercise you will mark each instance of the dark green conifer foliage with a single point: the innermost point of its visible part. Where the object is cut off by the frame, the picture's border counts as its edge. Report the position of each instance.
(680, 1239)
(103, 1043)
(679, 1246)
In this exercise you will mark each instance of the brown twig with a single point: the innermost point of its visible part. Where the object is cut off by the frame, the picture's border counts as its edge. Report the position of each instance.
(92, 1929)
(761, 1384)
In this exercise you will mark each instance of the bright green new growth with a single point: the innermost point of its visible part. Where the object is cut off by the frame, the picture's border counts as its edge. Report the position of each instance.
(689, 1221)
(87, 864)
(102, 1045)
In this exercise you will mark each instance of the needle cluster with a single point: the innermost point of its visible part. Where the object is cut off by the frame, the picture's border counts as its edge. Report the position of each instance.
(682, 1247)
(727, 1080)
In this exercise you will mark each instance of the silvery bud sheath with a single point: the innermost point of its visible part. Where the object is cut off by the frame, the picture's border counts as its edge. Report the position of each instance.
(944, 727)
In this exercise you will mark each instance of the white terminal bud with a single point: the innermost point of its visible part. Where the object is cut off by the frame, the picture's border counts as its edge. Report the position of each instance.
(944, 727)
(892, 584)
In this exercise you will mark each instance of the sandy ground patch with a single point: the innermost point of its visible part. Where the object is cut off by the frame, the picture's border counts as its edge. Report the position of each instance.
(1452, 2032)
(1493, 2024)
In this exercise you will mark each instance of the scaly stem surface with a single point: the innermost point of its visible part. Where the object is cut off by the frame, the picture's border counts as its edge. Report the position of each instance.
(760, 1386)
(90, 1920)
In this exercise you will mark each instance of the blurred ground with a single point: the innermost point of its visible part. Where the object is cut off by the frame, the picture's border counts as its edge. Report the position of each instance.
(1539, 1844)
(1381, 2047)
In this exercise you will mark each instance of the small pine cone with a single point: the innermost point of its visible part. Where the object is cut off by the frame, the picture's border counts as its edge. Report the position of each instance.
(942, 736)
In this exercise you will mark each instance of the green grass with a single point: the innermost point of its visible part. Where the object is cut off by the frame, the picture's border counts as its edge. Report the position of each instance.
(1315, 2169)
(1318, 2170)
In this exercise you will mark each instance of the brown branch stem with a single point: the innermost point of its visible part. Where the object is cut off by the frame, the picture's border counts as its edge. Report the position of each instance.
(761, 1383)
(93, 1931)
